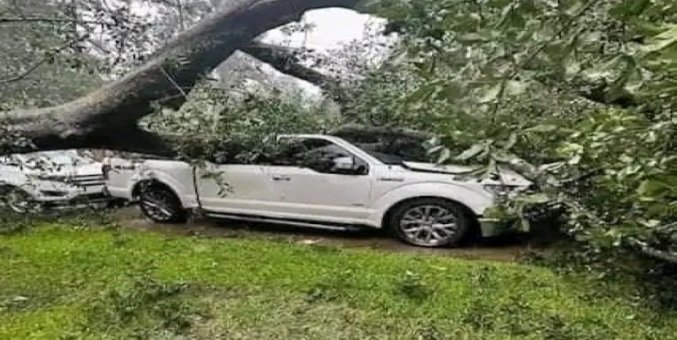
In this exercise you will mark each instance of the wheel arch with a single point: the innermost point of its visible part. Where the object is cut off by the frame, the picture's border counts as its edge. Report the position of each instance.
(153, 182)
(179, 215)
(6, 187)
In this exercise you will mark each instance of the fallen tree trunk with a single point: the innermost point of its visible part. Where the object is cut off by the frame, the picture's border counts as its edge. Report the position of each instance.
(108, 117)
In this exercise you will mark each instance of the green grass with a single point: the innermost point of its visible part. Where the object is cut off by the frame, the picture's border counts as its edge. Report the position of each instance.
(60, 282)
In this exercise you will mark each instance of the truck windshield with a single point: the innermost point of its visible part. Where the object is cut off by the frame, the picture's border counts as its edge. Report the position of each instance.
(65, 158)
(392, 150)
(58, 158)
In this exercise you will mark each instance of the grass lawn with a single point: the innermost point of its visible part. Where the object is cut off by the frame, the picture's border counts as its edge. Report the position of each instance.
(61, 282)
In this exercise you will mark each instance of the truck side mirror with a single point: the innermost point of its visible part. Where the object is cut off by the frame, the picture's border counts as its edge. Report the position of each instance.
(344, 163)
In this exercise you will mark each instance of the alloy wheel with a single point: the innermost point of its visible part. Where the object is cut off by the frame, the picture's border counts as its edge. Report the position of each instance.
(428, 225)
(21, 202)
(157, 206)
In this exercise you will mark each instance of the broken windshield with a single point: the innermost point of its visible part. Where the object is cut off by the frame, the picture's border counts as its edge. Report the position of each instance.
(393, 150)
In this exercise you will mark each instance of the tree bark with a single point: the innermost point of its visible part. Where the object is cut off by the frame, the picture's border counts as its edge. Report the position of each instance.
(288, 61)
(108, 117)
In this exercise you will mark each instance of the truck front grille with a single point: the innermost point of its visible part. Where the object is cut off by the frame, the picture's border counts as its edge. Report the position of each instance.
(87, 180)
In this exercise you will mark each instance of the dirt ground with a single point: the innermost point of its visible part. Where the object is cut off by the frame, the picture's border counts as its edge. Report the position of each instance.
(506, 248)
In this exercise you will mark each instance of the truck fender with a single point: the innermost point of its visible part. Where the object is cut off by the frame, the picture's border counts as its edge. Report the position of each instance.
(475, 200)
(182, 191)
(20, 182)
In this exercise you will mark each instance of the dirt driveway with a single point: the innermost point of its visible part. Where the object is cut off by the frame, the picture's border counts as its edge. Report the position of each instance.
(507, 248)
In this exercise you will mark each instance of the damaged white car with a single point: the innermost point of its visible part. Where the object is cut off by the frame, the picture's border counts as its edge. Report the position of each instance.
(323, 181)
(33, 181)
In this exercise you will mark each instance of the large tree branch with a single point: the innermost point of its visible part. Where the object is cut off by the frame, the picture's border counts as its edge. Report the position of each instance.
(288, 61)
(105, 117)
(649, 251)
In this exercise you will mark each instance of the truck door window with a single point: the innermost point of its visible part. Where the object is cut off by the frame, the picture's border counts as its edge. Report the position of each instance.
(318, 155)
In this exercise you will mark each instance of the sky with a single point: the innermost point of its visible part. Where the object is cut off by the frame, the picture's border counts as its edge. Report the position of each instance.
(331, 27)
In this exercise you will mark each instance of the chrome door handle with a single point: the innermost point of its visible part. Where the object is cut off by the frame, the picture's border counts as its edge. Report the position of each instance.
(281, 178)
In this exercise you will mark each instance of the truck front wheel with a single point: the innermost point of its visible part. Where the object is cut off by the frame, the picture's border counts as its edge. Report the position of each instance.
(429, 222)
(161, 205)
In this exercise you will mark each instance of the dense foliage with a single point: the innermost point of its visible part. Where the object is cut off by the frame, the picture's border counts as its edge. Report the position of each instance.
(561, 91)
(40, 55)
(217, 124)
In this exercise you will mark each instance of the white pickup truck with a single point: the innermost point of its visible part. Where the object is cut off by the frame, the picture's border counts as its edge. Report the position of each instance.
(53, 178)
(345, 187)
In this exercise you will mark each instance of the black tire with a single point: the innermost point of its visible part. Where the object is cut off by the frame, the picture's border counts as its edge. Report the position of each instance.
(161, 205)
(19, 201)
(445, 224)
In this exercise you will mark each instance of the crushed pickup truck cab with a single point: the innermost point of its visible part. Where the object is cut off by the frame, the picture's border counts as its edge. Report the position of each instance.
(324, 182)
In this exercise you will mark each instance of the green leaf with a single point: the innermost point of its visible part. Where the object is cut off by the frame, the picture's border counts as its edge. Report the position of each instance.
(499, 212)
(445, 154)
(654, 188)
(472, 37)
(574, 160)
(435, 149)
(515, 88)
(473, 173)
(571, 67)
(424, 92)
(575, 8)
(630, 8)
(557, 50)
(491, 93)
(533, 198)
(511, 141)
(549, 167)
(617, 88)
(471, 152)
(511, 17)
(504, 157)
(453, 90)
(492, 168)
(662, 41)
(543, 128)
(649, 223)
(432, 143)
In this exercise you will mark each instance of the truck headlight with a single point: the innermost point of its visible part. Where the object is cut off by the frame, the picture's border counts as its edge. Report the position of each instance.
(54, 193)
(501, 192)
(498, 189)
(50, 177)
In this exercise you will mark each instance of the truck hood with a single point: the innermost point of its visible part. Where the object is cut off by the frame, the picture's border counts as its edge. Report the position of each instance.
(508, 177)
(93, 169)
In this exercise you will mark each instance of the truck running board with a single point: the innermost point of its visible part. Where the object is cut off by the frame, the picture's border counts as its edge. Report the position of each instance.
(297, 223)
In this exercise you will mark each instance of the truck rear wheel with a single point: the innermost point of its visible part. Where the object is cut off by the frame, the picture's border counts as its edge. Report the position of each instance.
(19, 201)
(161, 205)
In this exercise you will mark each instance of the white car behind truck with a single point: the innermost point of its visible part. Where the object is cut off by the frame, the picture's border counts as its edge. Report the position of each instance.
(49, 179)
(345, 187)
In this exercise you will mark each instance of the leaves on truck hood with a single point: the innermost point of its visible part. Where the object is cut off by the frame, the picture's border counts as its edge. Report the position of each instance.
(507, 176)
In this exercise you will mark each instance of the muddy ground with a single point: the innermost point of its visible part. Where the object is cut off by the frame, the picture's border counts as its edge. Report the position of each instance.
(505, 248)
